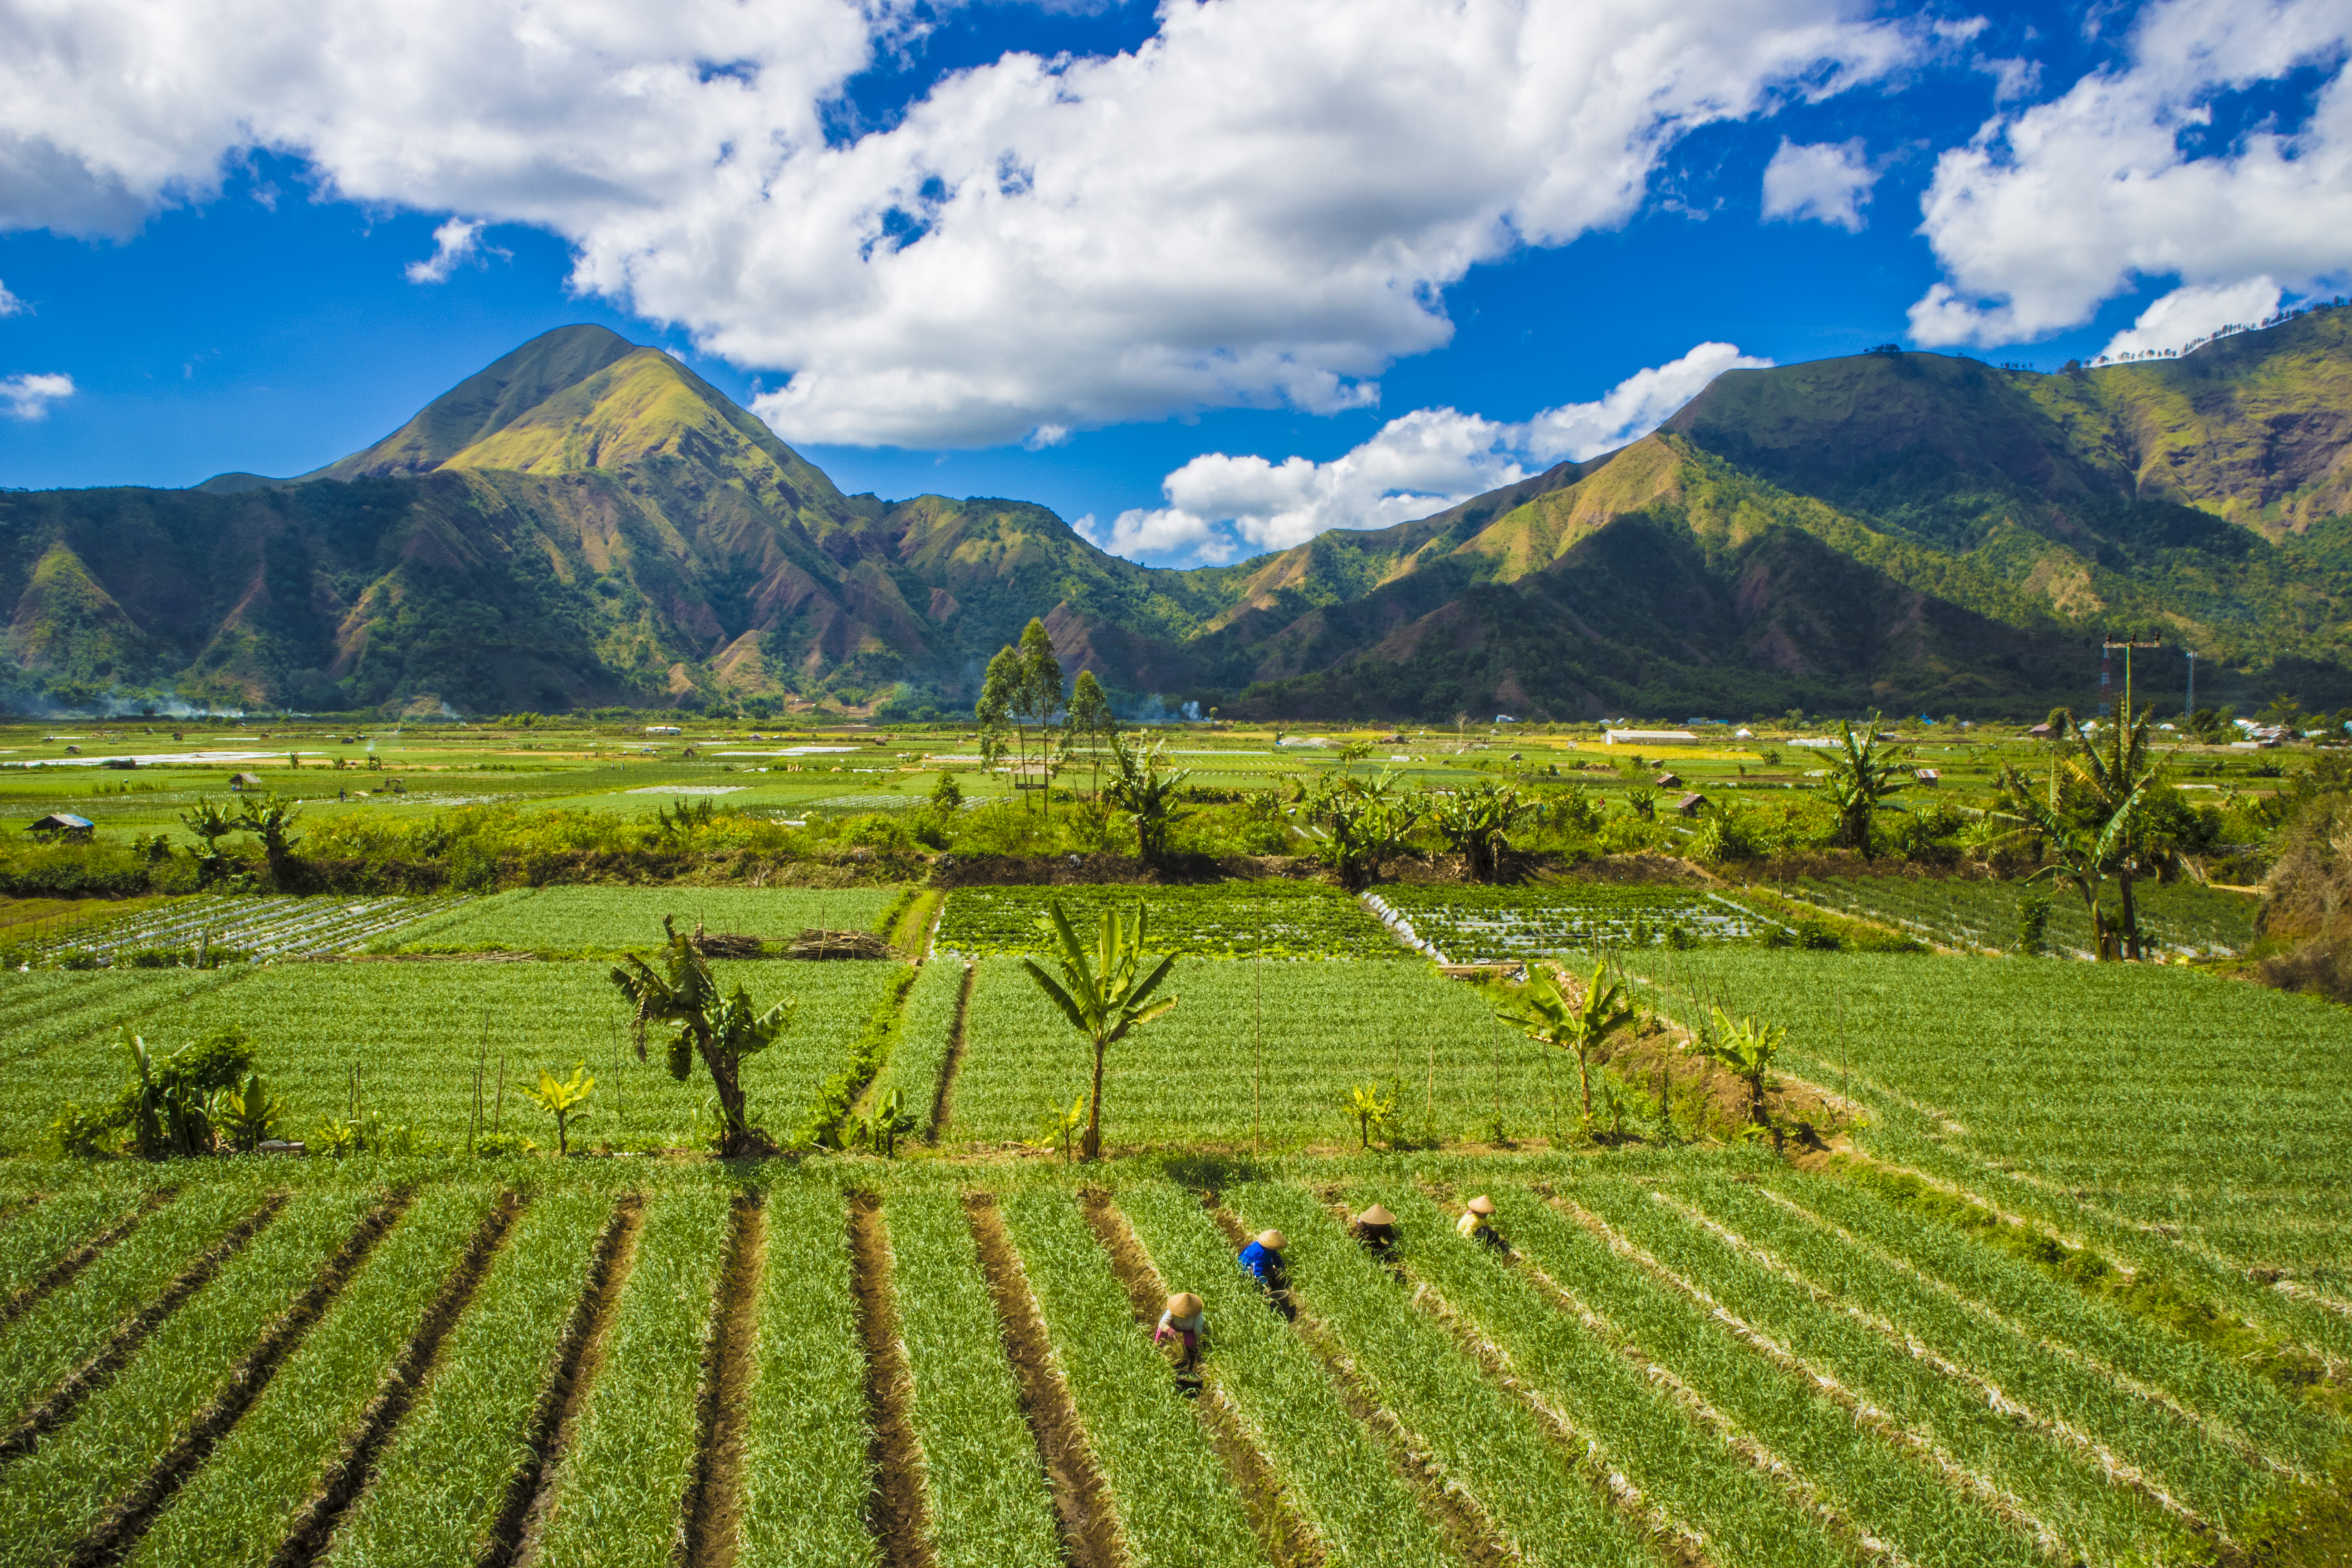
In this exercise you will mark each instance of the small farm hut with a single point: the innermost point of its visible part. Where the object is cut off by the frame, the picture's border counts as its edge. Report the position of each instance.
(61, 823)
(1668, 781)
(1691, 805)
(243, 782)
(1928, 776)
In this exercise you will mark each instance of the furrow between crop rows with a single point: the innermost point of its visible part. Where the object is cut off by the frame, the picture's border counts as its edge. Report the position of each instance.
(1283, 1533)
(556, 1422)
(898, 1510)
(714, 1505)
(80, 1321)
(64, 1219)
(1089, 1527)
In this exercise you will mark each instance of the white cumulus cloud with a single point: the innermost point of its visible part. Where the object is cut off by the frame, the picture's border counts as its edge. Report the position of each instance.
(2051, 211)
(10, 304)
(455, 242)
(1421, 463)
(29, 396)
(1260, 204)
(1828, 180)
(2186, 315)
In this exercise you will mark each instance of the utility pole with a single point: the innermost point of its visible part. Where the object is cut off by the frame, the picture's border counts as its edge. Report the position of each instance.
(2191, 709)
(2107, 646)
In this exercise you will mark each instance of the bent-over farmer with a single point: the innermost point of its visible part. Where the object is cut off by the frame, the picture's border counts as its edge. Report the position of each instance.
(1375, 1230)
(1185, 1322)
(1478, 1223)
(1263, 1261)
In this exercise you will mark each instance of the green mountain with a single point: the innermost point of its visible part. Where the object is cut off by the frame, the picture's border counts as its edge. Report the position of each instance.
(586, 521)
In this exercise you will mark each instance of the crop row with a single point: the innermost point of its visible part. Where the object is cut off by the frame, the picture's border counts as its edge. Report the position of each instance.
(607, 920)
(1473, 925)
(417, 1034)
(1784, 1371)
(1228, 919)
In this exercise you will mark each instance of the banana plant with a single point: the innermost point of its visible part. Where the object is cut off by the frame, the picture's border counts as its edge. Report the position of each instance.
(167, 1118)
(563, 1098)
(1142, 785)
(1370, 1110)
(1475, 822)
(1059, 1126)
(1545, 1013)
(890, 1122)
(272, 821)
(1746, 1049)
(246, 1113)
(722, 1030)
(1103, 991)
(1861, 774)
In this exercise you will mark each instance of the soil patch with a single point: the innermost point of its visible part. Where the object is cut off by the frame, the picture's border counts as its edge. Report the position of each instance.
(714, 1504)
(940, 1097)
(898, 1510)
(1089, 1529)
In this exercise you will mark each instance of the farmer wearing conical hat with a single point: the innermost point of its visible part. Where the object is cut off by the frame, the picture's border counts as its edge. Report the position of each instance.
(1186, 1321)
(1261, 1258)
(1375, 1231)
(1478, 1223)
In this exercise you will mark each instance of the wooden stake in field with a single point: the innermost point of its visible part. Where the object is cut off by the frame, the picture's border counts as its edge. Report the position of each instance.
(498, 1116)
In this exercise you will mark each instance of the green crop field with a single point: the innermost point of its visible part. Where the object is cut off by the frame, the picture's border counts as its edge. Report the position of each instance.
(2183, 917)
(1684, 1357)
(602, 919)
(415, 1034)
(2199, 1111)
(1224, 920)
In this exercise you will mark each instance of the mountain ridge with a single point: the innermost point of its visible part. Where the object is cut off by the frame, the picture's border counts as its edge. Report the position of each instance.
(586, 521)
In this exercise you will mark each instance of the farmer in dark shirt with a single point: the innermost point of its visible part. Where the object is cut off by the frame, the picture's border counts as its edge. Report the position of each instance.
(1375, 1231)
(1263, 1260)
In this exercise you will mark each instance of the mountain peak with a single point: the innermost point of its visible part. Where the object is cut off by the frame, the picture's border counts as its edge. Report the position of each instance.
(488, 402)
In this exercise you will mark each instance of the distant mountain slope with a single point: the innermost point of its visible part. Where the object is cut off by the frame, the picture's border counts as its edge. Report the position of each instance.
(587, 521)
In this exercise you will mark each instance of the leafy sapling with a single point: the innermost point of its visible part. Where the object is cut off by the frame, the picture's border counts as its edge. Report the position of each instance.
(563, 1099)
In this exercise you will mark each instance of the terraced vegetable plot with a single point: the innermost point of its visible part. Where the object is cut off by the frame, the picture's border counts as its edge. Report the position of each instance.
(1478, 925)
(606, 920)
(2159, 1096)
(267, 926)
(1274, 1046)
(1278, 920)
(1686, 1358)
(2183, 917)
(415, 1031)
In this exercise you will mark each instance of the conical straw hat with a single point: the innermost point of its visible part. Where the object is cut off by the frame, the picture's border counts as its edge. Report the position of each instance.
(1376, 1216)
(1482, 1204)
(1272, 1240)
(1183, 1304)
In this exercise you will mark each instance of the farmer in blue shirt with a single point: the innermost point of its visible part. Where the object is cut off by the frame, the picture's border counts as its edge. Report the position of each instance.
(1262, 1260)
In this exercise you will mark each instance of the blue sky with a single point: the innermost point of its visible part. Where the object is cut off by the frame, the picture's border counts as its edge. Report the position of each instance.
(1281, 234)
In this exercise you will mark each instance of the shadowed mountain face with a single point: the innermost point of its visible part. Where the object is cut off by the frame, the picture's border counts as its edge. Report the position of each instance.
(586, 521)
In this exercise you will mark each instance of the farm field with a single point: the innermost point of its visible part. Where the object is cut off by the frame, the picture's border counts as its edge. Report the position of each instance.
(1197, 1077)
(415, 1033)
(1471, 924)
(1222, 919)
(267, 926)
(606, 920)
(2199, 1114)
(2183, 917)
(1687, 1356)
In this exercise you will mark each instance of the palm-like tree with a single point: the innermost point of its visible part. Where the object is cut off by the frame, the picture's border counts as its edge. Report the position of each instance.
(1142, 785)
(1545, 1012)
(272, 820)
(1859, 775)
(1105, 990)
(722, 1030)
(2094, 821)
